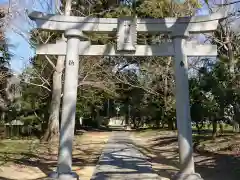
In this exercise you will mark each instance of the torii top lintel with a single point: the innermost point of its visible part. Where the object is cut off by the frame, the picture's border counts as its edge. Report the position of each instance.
(176, 26)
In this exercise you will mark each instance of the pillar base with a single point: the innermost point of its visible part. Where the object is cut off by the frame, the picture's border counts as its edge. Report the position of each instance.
(182, 176)
(55, 176)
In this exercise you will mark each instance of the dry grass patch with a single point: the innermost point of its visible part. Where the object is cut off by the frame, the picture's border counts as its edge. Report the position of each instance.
(30, 160)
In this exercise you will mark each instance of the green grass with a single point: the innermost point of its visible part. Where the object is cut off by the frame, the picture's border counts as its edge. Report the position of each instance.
(16, 149)
(17, 145)
(226, 127)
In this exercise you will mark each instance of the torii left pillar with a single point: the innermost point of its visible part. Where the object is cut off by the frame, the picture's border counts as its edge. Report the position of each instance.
(69, 106)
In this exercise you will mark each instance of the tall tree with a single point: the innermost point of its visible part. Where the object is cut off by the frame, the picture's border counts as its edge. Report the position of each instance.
(5, 72)
(52, 131)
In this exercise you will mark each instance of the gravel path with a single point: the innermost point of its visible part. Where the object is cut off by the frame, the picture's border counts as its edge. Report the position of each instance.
(120, 160)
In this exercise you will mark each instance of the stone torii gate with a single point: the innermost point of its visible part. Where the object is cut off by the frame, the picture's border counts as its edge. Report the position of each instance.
(126, 30)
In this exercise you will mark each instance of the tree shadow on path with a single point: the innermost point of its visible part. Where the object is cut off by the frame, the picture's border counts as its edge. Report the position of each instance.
(211, 165)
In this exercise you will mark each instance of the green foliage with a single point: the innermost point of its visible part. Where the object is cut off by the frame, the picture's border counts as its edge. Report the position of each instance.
(163, 8)
(146, 92)
(32, 106)
(87, 99)
(29, 120)
(212, 92)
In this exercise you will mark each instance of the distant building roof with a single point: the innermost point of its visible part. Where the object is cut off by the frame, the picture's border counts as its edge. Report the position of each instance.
(15, 123)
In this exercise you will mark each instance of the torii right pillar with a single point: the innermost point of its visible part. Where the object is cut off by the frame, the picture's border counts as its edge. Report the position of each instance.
(187, 170)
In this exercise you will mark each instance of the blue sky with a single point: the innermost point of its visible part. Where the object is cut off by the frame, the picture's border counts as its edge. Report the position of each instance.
(19, 28)
(22, 51)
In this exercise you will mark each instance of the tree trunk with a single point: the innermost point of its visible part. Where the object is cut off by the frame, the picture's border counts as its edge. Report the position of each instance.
(99, 119)
(157, 122)
(52, 131)
(127, 118)
(214, 128)
(232, 63)
(221, 129)
(3, 115)
(235, 118)
(165, 98)
(175, 122)
(198, 128)
(235, 124)
(170, 124)
(134, 122)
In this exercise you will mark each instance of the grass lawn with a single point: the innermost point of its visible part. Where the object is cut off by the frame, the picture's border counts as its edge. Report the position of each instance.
(226, 127)
(29, 159)
(214, 159)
